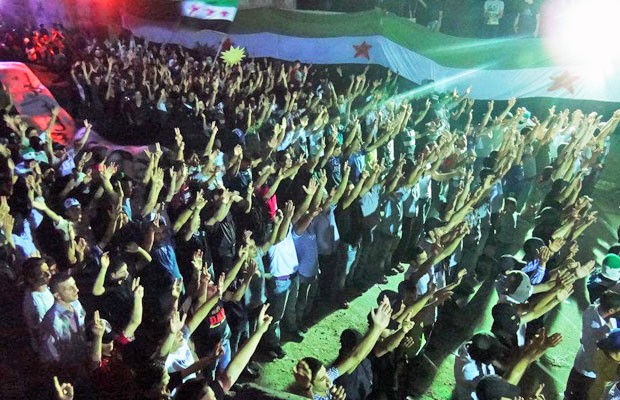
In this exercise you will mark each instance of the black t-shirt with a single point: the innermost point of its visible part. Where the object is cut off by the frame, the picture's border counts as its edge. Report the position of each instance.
(358, 384)
(212, 329)
(349, 224)
(222, 239)
(185, 252)
(117, 304)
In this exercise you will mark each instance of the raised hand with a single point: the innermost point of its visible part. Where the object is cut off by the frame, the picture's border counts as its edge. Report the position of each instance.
(137, 289)
(381, 316)
(302, 374)
(289, 209)
(264, 320)
(64, 391)
(407, 325)
(279, 217)
(544, 254)
(177, 322)
(197, 260)
(177, 287)
(311, 188)
(564, 293)
(98, 327)
(337, 393)
(584, 270)
(104, 260)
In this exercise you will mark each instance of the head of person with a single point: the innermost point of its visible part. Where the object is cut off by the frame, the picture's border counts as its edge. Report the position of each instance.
(510, 205)
(319, 381)
(508, 262)
(36, 272)
(152, 380)
(611, 267)
(284, 159)
(494, 387)
(63, 287)
(506, 320)
(531, 248)
(349, 338)
(611, 345)
(52, 264)
(73, 209)
(485, 348)
(609, 303)
(408, 291)
(515, 285)
(118, 271)
(196, 389)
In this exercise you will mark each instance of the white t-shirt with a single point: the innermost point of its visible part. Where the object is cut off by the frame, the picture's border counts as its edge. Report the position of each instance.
(283, 257)
(182, 358)
(35, 305)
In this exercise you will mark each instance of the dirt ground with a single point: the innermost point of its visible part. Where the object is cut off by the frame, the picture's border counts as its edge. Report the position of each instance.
(452, 329)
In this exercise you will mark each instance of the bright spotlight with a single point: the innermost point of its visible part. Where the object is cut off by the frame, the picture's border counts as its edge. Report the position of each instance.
(585, 38)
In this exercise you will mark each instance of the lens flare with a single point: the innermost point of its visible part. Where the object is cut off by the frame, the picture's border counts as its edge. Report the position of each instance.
(585, 38)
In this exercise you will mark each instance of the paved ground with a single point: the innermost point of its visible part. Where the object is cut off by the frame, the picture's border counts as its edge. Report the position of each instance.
(553, 369)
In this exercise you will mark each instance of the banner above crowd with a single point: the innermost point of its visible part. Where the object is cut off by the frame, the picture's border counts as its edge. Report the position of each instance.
(496, 69)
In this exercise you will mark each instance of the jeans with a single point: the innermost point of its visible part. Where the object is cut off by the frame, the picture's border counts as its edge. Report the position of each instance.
(289, 322)
(305, 299)
(346, 266)
(277, 297)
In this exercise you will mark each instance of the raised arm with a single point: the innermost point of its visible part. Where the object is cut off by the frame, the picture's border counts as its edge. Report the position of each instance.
(229, 377)
(380, 321)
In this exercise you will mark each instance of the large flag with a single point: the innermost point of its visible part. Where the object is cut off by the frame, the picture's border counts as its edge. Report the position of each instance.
(214, 15)
(496, 69)
(35, 102)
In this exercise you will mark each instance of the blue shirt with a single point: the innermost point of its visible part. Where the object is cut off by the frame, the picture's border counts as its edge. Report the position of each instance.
(357, 161)
(165, 256)
(307, 252)
(332, 374)
(369, 202)
(63, 334)
(392, 221)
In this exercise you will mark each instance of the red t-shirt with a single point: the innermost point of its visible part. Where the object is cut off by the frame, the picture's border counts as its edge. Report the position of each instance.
(272, 202)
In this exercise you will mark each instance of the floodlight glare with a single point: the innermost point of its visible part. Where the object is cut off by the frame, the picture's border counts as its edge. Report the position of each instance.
(585, 37)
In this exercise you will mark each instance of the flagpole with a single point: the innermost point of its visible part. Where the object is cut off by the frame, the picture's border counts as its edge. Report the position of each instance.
(219, 50)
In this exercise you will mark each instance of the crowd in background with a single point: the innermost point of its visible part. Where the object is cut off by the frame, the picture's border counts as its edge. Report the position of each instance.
(274, 190)
(472, 18)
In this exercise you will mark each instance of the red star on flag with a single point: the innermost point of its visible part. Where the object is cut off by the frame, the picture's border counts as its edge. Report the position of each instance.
(566, 80)
(210, 11)
(193, 9)
(362, 50)
(224, 13)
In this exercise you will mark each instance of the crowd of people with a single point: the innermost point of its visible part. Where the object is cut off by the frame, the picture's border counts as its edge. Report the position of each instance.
(476, 18)
(277, 190)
